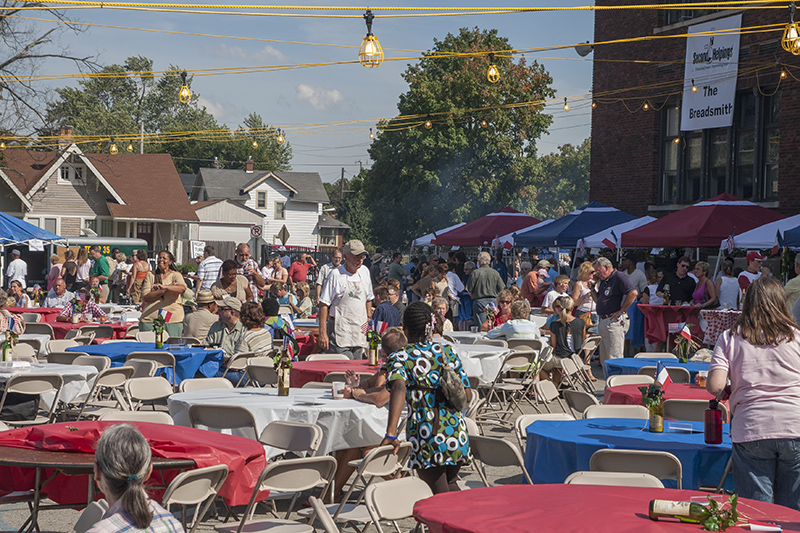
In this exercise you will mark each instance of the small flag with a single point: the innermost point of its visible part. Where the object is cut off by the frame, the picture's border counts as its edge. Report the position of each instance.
(582, 247)
(685, 333)
(611, 245)
(165, 314)
(380, 327)
(288, 345)
(778, 244)
(365, 327)
(730, 244)
(662, 376)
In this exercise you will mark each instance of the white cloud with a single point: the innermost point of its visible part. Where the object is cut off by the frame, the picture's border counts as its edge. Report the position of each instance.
(224, 112)
(237, 52)
(319, 97)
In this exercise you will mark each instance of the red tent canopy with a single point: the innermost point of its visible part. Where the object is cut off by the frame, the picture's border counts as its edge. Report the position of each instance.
(703, 224)
(483, 231)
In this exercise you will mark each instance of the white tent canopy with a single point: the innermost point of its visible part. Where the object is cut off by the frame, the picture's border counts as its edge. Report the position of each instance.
(596, 240)
(763, 236)
(425, 240)
(509, 238)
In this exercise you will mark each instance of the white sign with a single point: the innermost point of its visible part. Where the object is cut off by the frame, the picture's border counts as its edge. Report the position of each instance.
(712, 66)
(197, 248)
(35, 245)
(255, 231)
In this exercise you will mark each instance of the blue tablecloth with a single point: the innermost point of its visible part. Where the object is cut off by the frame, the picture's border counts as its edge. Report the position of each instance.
(556, 449)
(188, 361)
(635, 333)
(628, 365)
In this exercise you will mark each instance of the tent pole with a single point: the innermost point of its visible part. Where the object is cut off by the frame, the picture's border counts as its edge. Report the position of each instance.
(716, 268)
(698, 253)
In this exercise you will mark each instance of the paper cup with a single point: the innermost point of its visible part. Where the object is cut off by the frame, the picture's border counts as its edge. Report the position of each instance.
(337, 389)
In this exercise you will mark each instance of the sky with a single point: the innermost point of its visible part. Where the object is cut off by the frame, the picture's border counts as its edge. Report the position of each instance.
(293, 99)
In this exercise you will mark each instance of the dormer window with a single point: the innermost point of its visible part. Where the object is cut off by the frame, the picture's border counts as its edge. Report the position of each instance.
(71, 174)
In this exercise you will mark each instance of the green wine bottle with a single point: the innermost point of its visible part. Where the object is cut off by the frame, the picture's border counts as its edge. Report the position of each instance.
(690, 512)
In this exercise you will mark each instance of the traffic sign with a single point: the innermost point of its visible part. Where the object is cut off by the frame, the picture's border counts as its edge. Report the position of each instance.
(255, 231)
(283, 235)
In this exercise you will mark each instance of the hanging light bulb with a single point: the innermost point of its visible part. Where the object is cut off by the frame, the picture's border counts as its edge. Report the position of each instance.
(370, 54)
(484, 123)
(694, 87)
(185, 96)
(492, 74)
(280, 139)
(2, 146)
(594, 104)
(791, 34)
(784, 75)
(371, 135)
(129, 148)
(255, 143)
(113, 150)
(646, 106)
(428, 123)
(676, 140)
(566, 105)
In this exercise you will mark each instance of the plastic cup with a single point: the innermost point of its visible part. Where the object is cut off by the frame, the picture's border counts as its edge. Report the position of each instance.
(337, 389)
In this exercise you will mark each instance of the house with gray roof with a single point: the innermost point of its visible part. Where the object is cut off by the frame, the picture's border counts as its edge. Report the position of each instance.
(291, 199)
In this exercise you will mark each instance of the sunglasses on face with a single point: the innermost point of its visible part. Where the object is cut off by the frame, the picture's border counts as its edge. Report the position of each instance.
(505, 301)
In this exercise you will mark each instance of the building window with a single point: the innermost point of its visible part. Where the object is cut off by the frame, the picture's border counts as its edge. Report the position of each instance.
(106, 228)
(261, 201)
(71, 173)
(63, 173)
(280, 210)
(327, 237)
(91, 224)
(674, 16)
(51, 225)
(741, 160)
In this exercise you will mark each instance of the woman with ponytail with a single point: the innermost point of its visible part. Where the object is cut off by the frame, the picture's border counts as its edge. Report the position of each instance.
(437, 432)
(122, 465)
(566, 336)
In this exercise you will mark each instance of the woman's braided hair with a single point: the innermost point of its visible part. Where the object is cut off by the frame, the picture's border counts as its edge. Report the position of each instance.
(418, 321)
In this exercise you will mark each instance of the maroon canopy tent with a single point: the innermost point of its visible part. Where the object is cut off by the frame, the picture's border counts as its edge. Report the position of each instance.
(704, 224)
(483, 231)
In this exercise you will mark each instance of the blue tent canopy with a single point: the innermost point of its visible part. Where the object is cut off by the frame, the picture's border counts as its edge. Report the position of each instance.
(791, 237)
(566, 231)
(14, 231)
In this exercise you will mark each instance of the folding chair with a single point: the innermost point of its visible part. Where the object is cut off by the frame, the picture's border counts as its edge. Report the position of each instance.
(289, 475)
(24, 352)
(60, 345)
(579, 401)
(149, 389)
(90, 516)
(496, 452)
(589, 346)
(656, 356)
(616, 479)
(71, 334)
(155, 417)
(219, 417)
(327, 357)
(132, 330)
(497, 409)
(321, 513)
(34, 384)
(523, 421)
(263, 375)
(102, 331)
(662, 465)
(195, 487)
(39, 328)
(195, 384)
(31, 318)
(142, 368)
(628, 379)
(295, 437)
(162, 360)
(677, 373)
(100, 362)
(694, 410)
(492, 342)
(84, 340)
(394, 500)
(546, 393)
(617, 411)
(586, 372)
(333, 377)
(574, 376)
(109, 383)
(238, 363)
(36, 344)
(145, 336)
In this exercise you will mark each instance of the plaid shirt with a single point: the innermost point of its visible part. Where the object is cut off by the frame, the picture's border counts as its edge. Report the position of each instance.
(89, 307)
(250, 279)
(115, 520)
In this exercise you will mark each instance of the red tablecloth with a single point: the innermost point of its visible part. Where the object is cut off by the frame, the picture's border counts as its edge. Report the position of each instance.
(513, 508)
(61, 328)
(718, 320)
(630, 394)
(244, 457)
(307, 343)
(658, 317)
(49, 314)
(305, 371)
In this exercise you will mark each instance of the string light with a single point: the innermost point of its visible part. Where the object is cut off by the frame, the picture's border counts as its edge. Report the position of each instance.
(646, 106)
(185, 96)
(791, 34)
(370, 54)
(784, 75)
(255, 143)
(594, 104)
(371, 135)
(129, 148)
(428, 123)
(676, 140)
(492, 74)
(566, 105)
(280, 139)
(2, 146)
(113, 150)
(484, 123)
(694, 87)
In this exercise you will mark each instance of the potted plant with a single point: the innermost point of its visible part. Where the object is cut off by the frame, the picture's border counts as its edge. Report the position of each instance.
(653, 399)
(159, 323)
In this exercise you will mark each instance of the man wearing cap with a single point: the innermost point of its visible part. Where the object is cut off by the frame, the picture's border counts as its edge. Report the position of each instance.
(614, 295)
(324, 270)
(198, 323)
(228, 330)
(681, 285)
(753, 271)
(285, 259)
(637, 277)
(345, 304)
(17, 269)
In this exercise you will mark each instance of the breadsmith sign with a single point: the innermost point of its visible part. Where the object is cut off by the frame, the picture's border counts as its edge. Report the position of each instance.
(712, 66)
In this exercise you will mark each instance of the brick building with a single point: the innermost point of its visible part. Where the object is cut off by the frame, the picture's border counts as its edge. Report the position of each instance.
(642, 163)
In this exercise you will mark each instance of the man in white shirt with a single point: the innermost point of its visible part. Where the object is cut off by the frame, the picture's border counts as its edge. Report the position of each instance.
(336, 260)
(346, 304)
(208, 271)
(454, 286)
(59, 296)
(17, 269)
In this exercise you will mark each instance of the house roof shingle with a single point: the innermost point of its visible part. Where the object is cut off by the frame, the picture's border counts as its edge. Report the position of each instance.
(224, 183)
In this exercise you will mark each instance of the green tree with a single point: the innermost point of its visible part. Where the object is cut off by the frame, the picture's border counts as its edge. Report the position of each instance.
(347, 197)
(565, 182)
(480, 151)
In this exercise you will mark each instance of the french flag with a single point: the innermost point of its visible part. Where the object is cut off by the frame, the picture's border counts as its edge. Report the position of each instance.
(662, 376)
(165, 314)
(380, 327)
(685, 332)
(611, 245)
(289, 347)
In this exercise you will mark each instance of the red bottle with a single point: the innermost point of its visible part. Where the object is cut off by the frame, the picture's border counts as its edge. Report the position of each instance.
(713, 423)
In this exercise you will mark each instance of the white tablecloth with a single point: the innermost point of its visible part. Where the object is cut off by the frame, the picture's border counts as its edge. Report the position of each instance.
(466, 337)
(481, 360)
(78, 380)
(345, 423)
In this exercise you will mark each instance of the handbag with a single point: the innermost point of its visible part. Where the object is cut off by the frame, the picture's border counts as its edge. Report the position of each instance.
(453, 390)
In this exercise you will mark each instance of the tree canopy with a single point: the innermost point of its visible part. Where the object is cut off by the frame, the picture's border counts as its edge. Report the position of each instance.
(480, 152)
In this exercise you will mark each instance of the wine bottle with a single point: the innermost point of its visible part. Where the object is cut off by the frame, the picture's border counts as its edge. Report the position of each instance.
(690, 512)
(284, 370)
(713, 423)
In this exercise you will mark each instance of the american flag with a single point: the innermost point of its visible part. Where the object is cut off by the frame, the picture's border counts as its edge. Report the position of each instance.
(582, 247)
(730, 244)
(365, 327)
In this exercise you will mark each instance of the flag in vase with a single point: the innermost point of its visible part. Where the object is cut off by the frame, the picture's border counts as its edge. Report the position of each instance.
(380, 327)
(166, 315)
(662, 376)
(685, 332)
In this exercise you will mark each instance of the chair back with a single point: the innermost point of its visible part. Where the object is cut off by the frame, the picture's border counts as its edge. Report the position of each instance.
(156, 417)
(539, 320)
(142, 368)
(195, 384)
(91, 515)
(132, 330)
(31, 318)
(579, 401)
(99, 330)
(616, 479)
(492, 342)
(656, 356)
(546, 390)
(384, 461)
(100, 362)
(327, 357)
(472, 427)
(321, 385)
(333, 377)
(292, 436)
(322, 514)
(162, 360)
(183, 340)
(84, 340)
(525, 344)
(39, 328)
(694, 410)
(285, 309)
(195, 487)
(523, 421)
(219, 417)
(147, 389)
(617, 411)
(590, 344)
(34, 384)
(60, 345)
(677, 373)
(662, 465)
(145, 336)
(628, 379)
(263, 375)
(3, 426)
(63, 358)
(496, 452)
(114, 377)
(25, 352)
(395, 499)
(36, 344)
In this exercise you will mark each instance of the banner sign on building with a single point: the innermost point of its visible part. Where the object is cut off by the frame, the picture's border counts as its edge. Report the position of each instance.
(712, 63)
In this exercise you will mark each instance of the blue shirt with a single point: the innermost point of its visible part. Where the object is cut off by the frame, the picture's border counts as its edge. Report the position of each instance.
(388, 313)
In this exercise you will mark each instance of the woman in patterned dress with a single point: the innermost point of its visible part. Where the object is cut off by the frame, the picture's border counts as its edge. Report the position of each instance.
(438, 434)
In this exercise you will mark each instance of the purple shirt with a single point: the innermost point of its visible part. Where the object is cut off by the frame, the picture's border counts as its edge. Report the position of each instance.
(611, 293)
